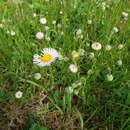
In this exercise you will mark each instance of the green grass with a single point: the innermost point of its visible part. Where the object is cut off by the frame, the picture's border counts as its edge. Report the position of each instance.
(98, 104)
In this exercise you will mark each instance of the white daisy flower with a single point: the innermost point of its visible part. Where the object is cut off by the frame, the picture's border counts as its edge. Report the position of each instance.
(73, 68)
(43, 20)
(47, 56)
(89, 22)
(37, 76)
(61, 12)
(115, 30)
(108, 47)
(119, 62)
(18, 94)
(109, 77)
(39, 35)
(78, 33)
(12, 33)
(125, 14)
(96, 46)
(120, 46)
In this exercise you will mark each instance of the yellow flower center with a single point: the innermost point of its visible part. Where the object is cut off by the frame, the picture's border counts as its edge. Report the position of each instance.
(46, 57)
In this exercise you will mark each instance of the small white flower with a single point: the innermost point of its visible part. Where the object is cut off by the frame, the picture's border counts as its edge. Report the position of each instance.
(89, 22)
(37, 76)
(47, 56)
(61, 12)
(34, 15)
(43, 20)
(39, 35)
(18, 94)
(109, 77)
(96, 46)
(125, 14)
(115, 30)
(12, 33)
(73, 68)
(78, 32)
(120, 46)
(91, 55)
(75, 54)
(108, 47)
(119, 62)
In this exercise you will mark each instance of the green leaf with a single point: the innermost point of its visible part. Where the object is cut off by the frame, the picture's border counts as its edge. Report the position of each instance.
(31, 125)
(36, 126)
(3, 96)
(67, 102)
(128, 99)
